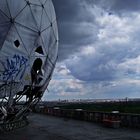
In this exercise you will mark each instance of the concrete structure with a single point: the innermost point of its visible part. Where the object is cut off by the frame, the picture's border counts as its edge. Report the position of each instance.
(43, 127)
(113, 119)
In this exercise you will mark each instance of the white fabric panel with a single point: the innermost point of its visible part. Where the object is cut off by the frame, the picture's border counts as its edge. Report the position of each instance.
(55, 28)
(47, 9)
(3, 18)
(15, 7)
(52, 11)
(28, 38)
(4, 29)
(37, 14)
(35, 2)
(8, 48)
(26, 19)
(46, 38)
(4, 8)
(45, 24)
(43, 1)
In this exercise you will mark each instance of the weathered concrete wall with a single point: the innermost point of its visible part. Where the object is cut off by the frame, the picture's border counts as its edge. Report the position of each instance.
(126, 120)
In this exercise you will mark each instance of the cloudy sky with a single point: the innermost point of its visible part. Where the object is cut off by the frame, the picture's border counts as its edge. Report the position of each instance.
(99, 50)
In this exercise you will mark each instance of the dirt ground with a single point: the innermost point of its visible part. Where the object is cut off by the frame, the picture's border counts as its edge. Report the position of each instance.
(44, 127)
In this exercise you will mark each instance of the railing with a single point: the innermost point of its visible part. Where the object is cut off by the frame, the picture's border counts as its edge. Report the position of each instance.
(126, 120)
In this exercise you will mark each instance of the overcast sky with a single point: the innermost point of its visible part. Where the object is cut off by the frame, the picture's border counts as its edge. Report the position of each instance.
(99, 50)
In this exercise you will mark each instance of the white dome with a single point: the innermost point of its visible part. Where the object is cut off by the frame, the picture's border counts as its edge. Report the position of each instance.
(28, 46)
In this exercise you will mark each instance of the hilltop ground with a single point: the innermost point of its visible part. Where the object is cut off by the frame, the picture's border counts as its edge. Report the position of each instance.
(44, 127)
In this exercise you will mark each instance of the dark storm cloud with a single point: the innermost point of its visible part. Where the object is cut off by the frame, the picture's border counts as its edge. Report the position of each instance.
(74, 25)
(66, 10)
(117, 5)
(126, 5)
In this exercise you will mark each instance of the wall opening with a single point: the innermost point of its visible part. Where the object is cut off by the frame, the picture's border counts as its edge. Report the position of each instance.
(39, 50)
(17, 43)
(36, 70)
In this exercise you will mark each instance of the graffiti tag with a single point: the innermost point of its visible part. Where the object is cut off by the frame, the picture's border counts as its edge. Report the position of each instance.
(14, 67)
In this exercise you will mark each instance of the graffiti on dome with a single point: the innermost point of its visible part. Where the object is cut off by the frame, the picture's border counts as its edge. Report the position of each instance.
(14, 67)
